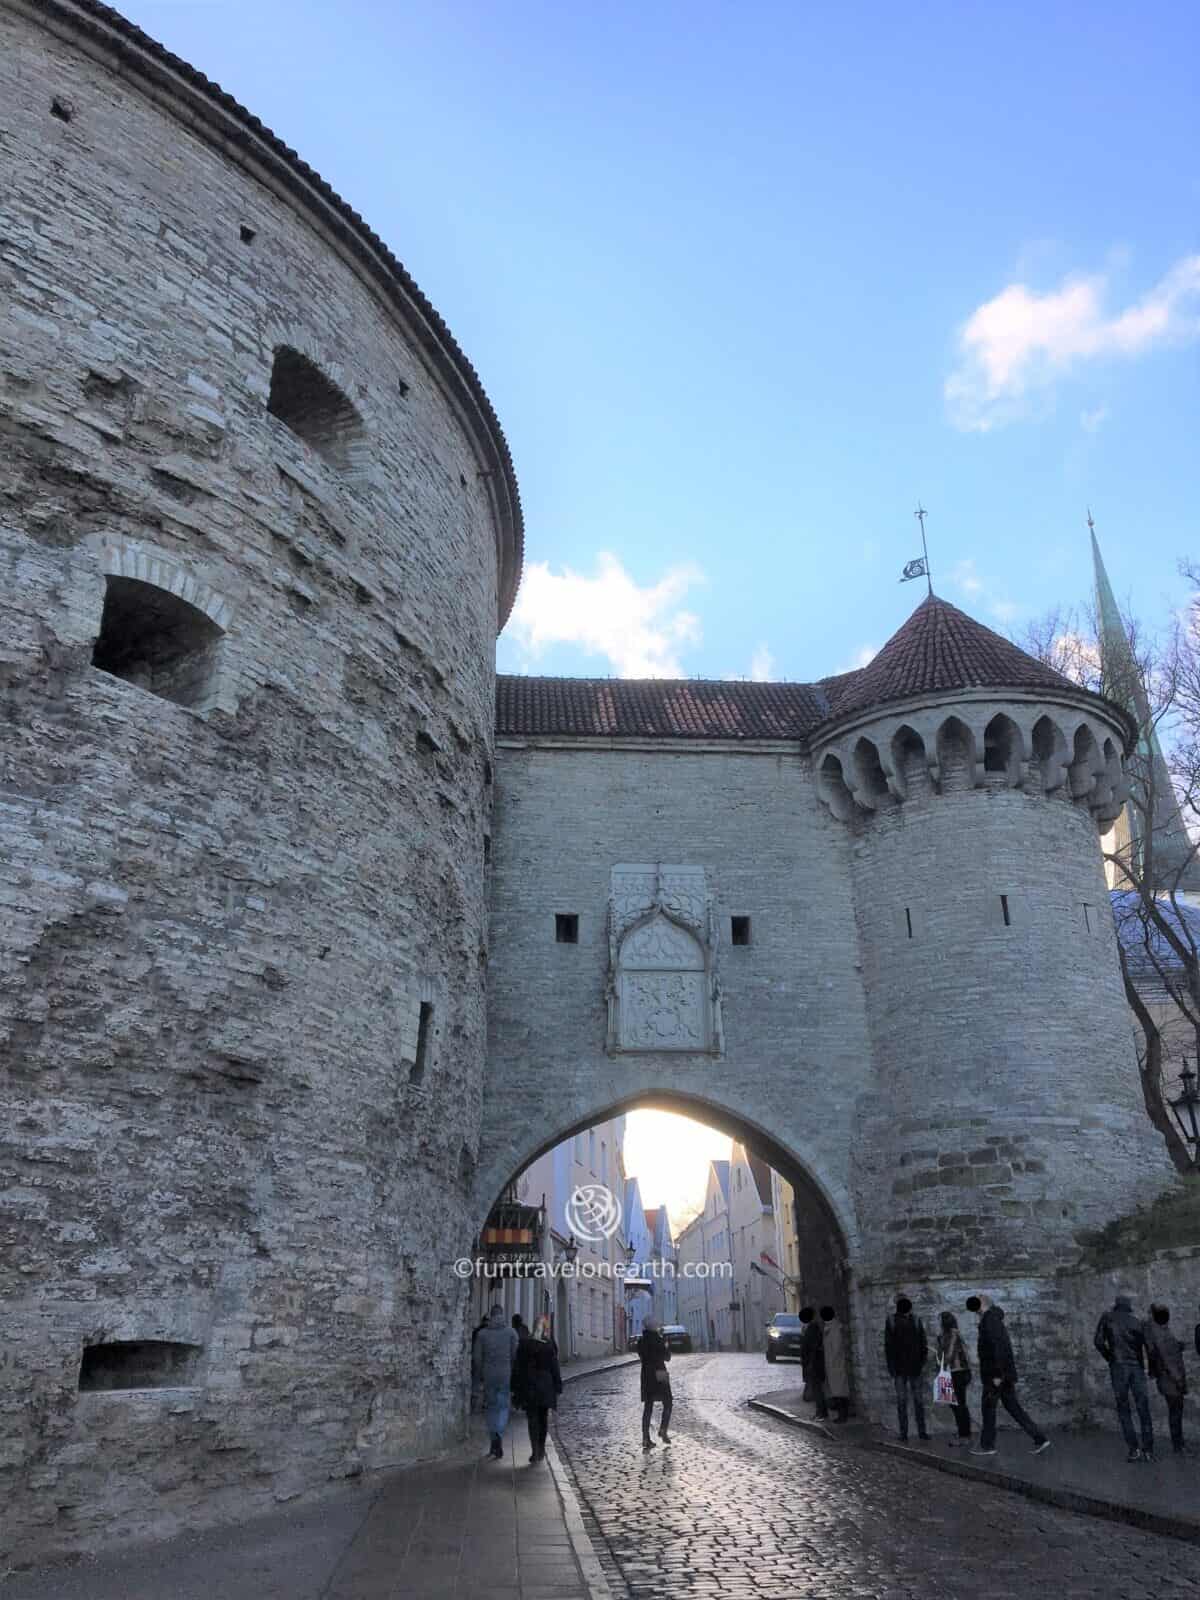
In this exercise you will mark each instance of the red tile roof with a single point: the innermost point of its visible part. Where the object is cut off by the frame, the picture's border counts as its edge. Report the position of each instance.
(663, 708)
(939, 648)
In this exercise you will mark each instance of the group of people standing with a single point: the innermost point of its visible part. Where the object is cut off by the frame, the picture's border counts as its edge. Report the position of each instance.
(823, 1362)
(1134, 1349)
(906, 1352)
(510, 1364)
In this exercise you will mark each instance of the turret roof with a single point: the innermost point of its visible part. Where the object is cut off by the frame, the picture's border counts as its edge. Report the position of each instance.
(940, 648)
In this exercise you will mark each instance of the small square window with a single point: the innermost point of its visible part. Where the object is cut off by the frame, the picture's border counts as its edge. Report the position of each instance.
(739, 930)
(566, 927)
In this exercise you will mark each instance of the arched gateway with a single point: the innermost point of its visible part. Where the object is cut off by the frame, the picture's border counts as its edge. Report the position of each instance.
(846, 921)
(296, 970)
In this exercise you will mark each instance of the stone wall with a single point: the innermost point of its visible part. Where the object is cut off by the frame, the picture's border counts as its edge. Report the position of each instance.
(219, 923)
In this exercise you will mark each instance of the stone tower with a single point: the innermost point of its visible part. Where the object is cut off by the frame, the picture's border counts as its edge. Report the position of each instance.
(258, 528)
(1004, 1111)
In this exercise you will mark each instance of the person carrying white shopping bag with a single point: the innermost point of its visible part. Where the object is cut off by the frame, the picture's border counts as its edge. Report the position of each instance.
(953, 1374)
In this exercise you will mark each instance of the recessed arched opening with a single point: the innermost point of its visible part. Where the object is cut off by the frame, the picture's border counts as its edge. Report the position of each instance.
(956, 755)
(833, 788)
(911, 761)
(1050, 753)
(152, 638)
(314, 408)
(872, 786)
(1002, 749)
(532, 1198)
(1087, 762)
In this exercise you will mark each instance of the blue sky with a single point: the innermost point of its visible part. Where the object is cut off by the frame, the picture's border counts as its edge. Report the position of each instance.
(745, 281)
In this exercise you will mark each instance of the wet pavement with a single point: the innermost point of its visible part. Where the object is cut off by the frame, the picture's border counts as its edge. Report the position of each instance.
(744, 1505)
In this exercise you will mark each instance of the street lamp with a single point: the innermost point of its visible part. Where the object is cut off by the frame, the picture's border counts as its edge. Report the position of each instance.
(1186, 1107)
(630, 1254)
(570, 1251)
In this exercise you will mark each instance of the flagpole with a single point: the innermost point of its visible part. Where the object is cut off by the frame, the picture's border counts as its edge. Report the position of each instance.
(920, 514)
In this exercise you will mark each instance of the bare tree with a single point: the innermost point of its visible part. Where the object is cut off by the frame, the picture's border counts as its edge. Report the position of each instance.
(1151, 855)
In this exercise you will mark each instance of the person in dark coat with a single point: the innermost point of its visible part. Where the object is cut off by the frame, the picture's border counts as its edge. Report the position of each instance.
(1121, 1340)
(1165, 1353)
(539, 1381)
(812, 1360)
(654, 1353)
(521, 1329)
(492, 1363)
(905, 1349)
(998, 1378)
(952, 1354)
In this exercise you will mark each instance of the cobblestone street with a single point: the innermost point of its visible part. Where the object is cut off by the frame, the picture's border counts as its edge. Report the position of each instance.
(744, 1505)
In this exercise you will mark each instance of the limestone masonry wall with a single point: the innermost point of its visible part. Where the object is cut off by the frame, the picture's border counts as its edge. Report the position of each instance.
(219, 918)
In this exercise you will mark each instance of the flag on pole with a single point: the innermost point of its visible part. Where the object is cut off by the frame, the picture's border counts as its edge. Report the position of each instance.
(915, 569)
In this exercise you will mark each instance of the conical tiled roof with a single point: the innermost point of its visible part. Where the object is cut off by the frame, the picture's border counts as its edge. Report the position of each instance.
(939, 648)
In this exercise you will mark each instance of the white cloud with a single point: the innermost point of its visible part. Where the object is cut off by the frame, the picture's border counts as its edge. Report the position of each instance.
(762, 665)
(1014, 347)
(637, 629)
(863, 657)
(1092, 421)
(966, 578)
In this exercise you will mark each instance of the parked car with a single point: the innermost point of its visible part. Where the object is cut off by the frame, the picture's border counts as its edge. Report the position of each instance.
(678, 1338)
(783, 1335)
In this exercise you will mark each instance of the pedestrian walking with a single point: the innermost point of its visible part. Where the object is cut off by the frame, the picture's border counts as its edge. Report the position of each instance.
(476, 1382)
(1121, 1340)
(952, 1354)
(492, 1361)
(1165, 1356)
(540, 1383)
(812, 1361)
(837, 1368)
(905, 1348)
(998, 1378)
(654, 1354)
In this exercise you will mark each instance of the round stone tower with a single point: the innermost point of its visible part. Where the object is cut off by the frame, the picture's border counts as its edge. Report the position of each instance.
(258, 527)
(1006, 1114)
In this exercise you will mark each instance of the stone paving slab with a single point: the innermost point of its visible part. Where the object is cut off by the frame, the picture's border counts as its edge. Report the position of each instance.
(1084, 1470)
(449, 1529)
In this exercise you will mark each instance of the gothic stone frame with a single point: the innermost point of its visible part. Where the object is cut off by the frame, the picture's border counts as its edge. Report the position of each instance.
(664, 991)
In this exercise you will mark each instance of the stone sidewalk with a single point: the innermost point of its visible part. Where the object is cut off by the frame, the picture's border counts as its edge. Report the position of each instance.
(1083, 1471)
(457, 1527)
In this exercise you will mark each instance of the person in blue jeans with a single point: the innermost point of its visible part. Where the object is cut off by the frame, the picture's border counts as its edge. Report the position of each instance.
(1121, 1340)
(492, 1360)
(905, 1349)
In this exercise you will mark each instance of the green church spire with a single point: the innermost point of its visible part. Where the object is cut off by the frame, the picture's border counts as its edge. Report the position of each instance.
(1175, 865)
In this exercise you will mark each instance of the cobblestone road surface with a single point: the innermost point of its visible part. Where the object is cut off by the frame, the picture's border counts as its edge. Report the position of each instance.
(742, 1505)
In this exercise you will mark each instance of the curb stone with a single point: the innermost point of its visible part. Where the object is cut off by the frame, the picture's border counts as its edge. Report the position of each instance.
(1059, 1495)
(589, 1562)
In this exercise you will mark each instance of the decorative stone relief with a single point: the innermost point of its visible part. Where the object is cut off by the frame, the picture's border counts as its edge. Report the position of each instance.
(663, 988)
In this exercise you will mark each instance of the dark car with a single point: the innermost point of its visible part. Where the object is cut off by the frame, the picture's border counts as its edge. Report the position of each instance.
(783, 1335)
(677, 1338)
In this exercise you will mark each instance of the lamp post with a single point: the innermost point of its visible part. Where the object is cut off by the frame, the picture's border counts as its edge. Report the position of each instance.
(1186, 1108)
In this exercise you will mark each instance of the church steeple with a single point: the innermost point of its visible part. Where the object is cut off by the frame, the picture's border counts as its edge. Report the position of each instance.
(1175, 863)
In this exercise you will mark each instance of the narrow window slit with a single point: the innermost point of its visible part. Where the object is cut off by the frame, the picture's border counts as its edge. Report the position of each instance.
(1004, 909)
(739, 930)
(417, 1071)
(566, 928)
(908, 921)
